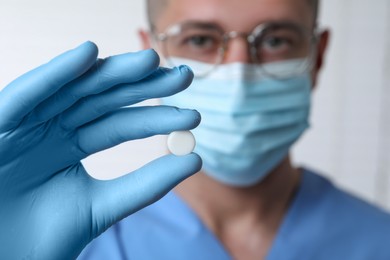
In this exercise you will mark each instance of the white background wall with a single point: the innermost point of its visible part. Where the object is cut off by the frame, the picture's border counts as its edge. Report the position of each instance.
(350, 135)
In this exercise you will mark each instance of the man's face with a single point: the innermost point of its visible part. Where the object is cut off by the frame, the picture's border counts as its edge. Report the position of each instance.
(241, 16)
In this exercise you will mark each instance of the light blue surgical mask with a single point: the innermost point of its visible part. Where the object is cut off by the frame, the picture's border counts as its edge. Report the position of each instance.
(249, 121)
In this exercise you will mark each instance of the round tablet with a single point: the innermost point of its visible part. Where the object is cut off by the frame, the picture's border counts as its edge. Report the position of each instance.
(181, 142)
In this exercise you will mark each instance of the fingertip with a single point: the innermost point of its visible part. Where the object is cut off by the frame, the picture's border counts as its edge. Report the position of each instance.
(137, 65)
(77, 60)
(198, 163)
(193, 163)
(89, 48)
(198, 117)
(88, 44)
(182, 118)
(177, 78)
(181, 76)
(187, 74)
(188, 164)
(193, 117)
(186, 70)
(92, 47)
(152, 56)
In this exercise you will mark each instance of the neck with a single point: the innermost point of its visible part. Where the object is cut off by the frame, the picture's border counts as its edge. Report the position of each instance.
(221, 207)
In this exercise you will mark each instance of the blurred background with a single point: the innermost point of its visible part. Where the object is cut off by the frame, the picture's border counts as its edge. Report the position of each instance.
(349, 140)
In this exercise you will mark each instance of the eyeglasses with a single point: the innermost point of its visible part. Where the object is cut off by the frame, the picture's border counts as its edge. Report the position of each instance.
(268, 43)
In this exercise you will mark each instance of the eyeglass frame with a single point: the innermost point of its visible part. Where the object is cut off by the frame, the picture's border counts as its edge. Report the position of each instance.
(250, 38)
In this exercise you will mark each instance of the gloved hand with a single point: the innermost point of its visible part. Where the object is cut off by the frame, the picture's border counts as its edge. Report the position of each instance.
(58, 114)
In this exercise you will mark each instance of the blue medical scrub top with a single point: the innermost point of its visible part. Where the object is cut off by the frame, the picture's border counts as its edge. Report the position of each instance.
(322, 222)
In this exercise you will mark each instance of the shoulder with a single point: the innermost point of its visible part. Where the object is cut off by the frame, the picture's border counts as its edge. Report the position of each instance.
(345, 224)
(337, 203)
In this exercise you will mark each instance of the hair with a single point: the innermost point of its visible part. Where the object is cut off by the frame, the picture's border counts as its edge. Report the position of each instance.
(315, 4)
(154, 8)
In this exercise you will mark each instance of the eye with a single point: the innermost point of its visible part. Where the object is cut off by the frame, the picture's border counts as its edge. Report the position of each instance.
(275, 43)
(201, 42)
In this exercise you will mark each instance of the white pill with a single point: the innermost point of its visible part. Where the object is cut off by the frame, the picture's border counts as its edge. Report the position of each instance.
(181, 142)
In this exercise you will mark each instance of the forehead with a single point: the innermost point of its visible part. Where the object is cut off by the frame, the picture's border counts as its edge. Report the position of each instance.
(239, 15)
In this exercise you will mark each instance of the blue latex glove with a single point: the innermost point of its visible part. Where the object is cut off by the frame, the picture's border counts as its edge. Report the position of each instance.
(58, 114)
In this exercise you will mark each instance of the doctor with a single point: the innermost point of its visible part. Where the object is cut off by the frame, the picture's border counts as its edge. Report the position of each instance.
(256, 63)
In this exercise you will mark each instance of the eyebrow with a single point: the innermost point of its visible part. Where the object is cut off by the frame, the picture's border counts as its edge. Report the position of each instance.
(204, 24)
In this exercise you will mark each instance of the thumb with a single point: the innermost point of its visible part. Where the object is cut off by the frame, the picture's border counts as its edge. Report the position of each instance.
(117, 199)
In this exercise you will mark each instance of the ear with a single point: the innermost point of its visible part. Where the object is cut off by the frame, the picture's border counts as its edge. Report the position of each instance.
(321, 51)
(145, 39)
